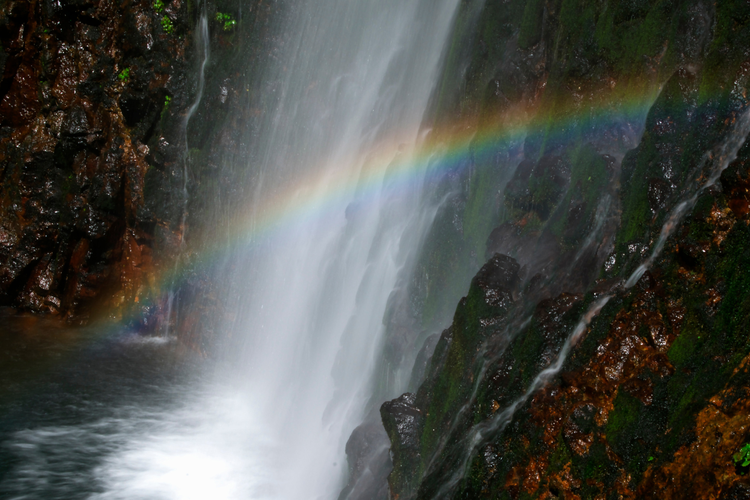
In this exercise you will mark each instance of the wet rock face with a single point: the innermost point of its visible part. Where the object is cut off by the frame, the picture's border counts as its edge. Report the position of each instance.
(423, 360)
(538, 187)
(737, 492)
(403, 422)
(498, 278)
(86, 140)
(403, 419)
(368, 455)
(651, 400)
(559, 219)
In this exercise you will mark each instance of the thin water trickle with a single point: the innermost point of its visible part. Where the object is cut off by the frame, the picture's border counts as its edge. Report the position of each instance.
(500, 420)
(171, 317)
(202, 41)
(717, 160)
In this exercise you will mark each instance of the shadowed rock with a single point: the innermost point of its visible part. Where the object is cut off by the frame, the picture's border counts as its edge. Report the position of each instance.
(367, 452)
(499, 280)
(403, 423)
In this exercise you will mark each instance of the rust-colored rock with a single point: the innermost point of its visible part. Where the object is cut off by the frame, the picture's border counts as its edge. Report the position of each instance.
(74, 235)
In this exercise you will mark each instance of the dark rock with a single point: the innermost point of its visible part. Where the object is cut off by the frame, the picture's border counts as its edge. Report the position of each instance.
(76, 123)
(499, 280)
(424, 357)
(739, 491)
(403, 422)
(367, 452)
(658, 194)
(76, 111)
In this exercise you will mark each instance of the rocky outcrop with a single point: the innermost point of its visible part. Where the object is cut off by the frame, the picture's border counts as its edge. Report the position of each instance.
(368, 455)
(592, 377)
(403, 422)
(91, 105)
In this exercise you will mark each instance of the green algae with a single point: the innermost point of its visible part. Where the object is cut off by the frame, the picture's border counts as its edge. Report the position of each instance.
(531, 24)
(450, 388)
(623, 416)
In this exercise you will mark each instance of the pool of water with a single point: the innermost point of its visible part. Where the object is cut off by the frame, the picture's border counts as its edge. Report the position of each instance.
(102, 412)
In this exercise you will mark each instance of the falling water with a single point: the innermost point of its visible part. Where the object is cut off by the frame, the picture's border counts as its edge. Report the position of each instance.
(349, 97)
(202, 43)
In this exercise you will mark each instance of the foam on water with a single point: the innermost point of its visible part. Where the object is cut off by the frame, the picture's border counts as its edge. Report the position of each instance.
(209, 447)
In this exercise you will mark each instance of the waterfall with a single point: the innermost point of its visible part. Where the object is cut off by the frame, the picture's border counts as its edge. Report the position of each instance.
(333, 214)
(331, 227)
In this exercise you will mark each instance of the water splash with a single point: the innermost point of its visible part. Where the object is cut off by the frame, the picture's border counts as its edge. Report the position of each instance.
(200, 451)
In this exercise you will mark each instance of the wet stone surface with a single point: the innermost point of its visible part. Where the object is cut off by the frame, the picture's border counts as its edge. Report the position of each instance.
(83, 121)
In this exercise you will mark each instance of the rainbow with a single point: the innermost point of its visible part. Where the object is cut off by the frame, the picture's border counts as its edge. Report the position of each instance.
(389, 163)
(444, 148)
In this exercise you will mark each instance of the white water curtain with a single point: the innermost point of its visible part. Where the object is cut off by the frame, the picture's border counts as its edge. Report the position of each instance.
(349, 90)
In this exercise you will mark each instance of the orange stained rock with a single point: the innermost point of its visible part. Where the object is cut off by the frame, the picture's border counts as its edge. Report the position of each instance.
(691, 276)
(616, 365)
(714, 299)
(704, 468)
(526, 478)
(623, 489)
(739, 206)
(549, 415)
(743, 366)
(701, 470)
(722, 220)
(564, 484)
(578, 441)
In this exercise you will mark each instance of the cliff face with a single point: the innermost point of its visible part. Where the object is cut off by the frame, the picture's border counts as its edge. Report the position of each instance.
(92, 104)
(570, 371)
(114, 117)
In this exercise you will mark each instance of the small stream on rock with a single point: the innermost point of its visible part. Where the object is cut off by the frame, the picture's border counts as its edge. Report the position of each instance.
(203, 46)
